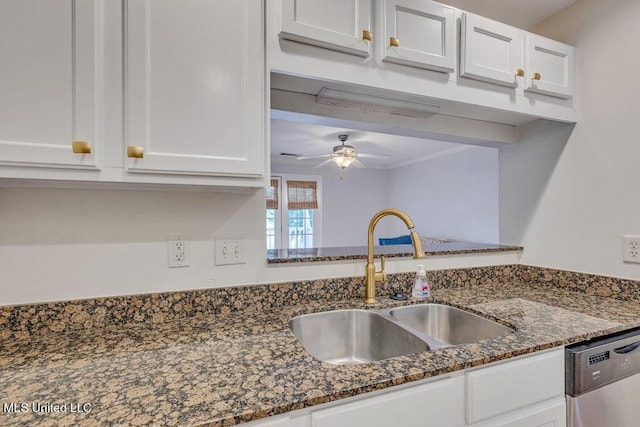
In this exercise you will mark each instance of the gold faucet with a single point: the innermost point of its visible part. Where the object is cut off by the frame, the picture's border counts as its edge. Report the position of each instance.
(371, 275)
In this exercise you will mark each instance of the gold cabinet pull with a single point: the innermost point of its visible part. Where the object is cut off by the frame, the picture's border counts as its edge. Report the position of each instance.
(536, 76)
(520, 72)
(135, 152)
(394, 42)
(81, 147)
(366, 35)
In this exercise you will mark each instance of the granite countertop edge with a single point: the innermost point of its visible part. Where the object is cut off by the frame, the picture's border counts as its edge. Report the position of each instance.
(284, 256)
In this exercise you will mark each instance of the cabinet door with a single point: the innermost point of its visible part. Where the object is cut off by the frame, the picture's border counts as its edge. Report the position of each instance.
(333, 24)
(195, 102)
(552, 413)
(514, 385)
(549, 67)
(49, 82)
(419, 33)
(490, 51)
(437, 403)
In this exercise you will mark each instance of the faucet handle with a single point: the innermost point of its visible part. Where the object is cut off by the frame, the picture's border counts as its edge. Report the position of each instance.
(381, 275)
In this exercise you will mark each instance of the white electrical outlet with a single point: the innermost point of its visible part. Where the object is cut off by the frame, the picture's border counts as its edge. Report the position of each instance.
(631, 249)
(179, 251)
(229, 250)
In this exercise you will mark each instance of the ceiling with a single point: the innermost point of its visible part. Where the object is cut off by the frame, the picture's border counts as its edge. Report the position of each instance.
(519, 13)
(312, 139)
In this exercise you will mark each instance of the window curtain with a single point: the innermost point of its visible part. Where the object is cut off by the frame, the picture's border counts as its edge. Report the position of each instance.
(302, 195)
(272, 195)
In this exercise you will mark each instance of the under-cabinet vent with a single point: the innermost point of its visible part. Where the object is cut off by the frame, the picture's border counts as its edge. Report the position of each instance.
(599, 357)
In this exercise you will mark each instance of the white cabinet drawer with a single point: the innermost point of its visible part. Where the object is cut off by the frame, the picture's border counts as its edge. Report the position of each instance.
(437, 403)
(514, 385)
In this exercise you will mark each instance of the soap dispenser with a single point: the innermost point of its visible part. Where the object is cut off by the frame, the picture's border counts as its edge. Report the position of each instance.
(421, 285)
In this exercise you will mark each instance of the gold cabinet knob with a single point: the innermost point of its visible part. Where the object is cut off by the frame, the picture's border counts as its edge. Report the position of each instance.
(394, 42)
(81, 147)
(520, 72)
(366, 35)
(135, 152)
(536, 76)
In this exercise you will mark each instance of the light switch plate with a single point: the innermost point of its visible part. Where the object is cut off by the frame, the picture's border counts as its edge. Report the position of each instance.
(229, 250)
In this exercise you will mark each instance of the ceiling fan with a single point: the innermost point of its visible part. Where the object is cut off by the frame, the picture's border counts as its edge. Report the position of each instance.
(343, 155)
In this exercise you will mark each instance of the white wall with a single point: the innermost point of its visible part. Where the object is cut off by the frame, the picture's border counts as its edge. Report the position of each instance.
(453, 196)
(348, 203)
(58, 244)
(586, 195)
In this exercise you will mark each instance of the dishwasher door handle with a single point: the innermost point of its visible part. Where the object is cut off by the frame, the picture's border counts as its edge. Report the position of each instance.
(627, 348)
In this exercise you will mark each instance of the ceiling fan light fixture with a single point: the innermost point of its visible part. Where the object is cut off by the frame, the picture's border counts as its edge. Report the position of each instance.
(343, 161)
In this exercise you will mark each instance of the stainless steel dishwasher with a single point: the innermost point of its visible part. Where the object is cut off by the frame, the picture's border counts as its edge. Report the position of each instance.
(603, 381)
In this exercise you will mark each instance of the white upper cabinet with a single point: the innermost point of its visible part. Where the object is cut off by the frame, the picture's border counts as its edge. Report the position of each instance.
(498, 53)
(49, 79)
(342, 25)
(419, 33)
(195, 97)
(490, 51)
(549, 66)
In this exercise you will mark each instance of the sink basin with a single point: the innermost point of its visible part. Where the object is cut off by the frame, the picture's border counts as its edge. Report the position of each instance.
(347, 337)
(447, 324)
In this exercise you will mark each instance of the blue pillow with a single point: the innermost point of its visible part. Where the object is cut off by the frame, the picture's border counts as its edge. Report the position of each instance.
(400, 240)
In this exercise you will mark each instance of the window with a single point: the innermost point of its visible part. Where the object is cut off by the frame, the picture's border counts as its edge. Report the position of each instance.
(294, 212)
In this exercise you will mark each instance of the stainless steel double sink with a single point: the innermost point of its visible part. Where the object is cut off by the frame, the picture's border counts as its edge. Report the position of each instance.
(347, 337)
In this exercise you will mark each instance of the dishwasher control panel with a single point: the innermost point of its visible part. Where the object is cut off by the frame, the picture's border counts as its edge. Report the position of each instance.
(601, 361)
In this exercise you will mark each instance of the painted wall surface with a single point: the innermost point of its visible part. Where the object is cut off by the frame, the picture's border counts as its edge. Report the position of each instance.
(569, 204)
(59, 244)
(453, 196)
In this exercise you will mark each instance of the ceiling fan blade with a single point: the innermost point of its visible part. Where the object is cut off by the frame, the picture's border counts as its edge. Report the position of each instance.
(374, 156)
(319, 165)
(319, 156)
(357, 163)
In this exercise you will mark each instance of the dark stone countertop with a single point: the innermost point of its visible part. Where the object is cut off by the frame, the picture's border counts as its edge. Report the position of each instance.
(431, 248)
(227, 368)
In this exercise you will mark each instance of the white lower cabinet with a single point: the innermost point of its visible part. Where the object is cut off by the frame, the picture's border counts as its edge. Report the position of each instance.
(438, 403)
(282, 421)
(514, 385)
(552, 413)
(527, 391)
